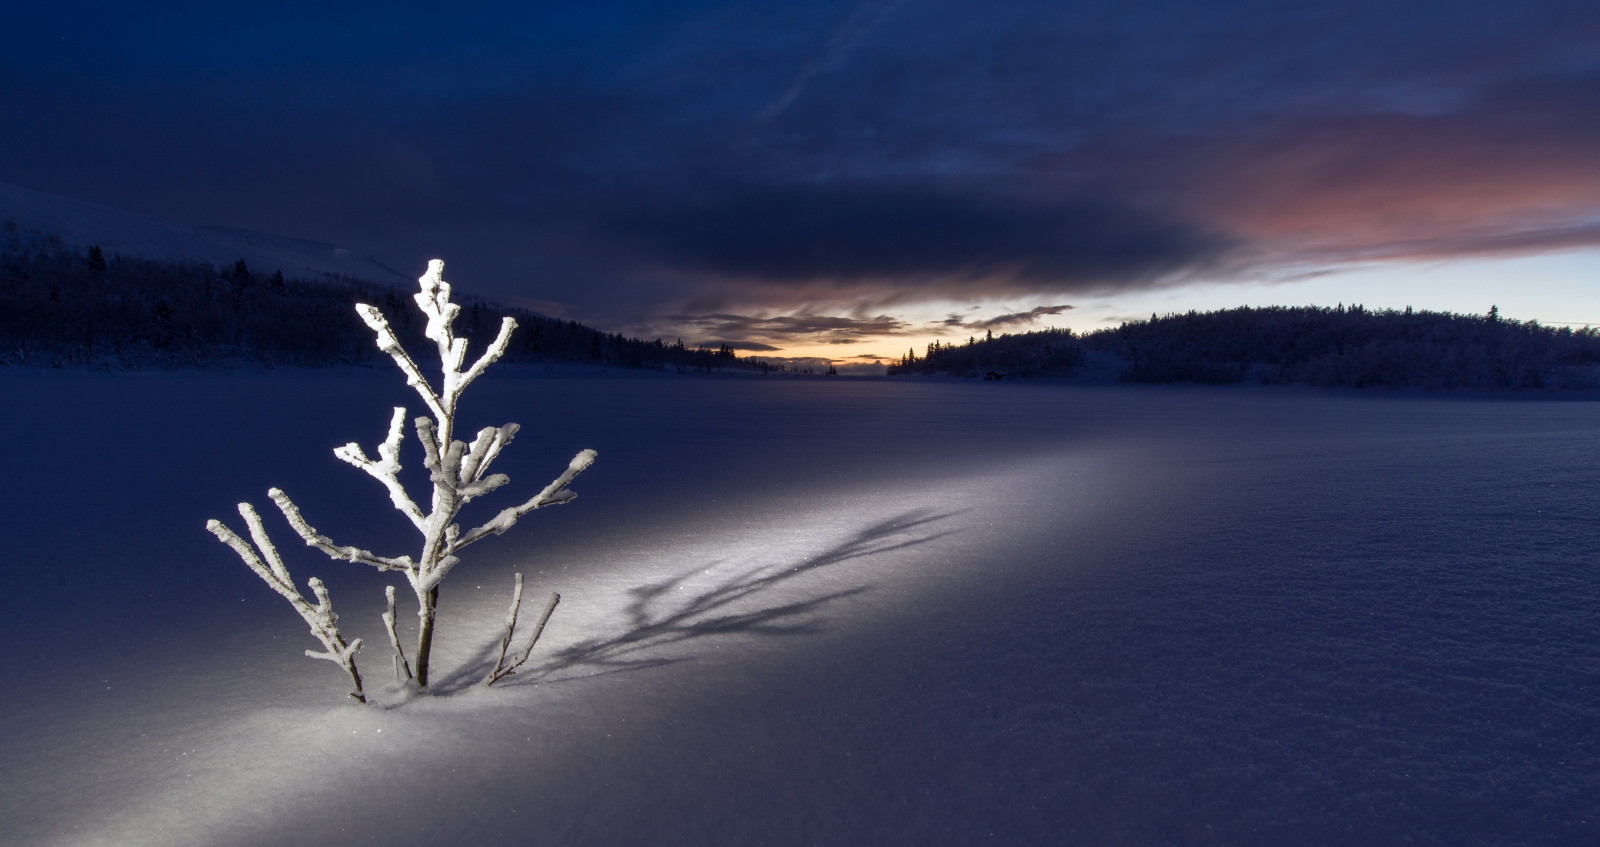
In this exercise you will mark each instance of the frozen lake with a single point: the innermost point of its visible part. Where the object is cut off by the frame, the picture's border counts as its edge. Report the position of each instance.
(818, 612)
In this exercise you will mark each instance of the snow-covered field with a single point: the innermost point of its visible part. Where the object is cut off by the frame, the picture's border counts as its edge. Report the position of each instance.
(817, 612)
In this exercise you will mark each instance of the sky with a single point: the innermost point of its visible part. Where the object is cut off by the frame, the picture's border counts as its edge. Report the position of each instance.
(849, 180)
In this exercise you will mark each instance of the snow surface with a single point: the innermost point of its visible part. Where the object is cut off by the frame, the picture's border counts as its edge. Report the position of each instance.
(816, 612)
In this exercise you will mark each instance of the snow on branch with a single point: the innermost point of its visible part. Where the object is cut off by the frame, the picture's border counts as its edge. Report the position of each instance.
(387, 469)
(312, 538)
(490, 356)
(263, 558)
(553, 494)
(485, 449)
(388, 343)
(434, 301)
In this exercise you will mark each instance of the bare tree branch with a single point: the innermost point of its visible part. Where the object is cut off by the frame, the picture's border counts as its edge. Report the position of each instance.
(501, 669)
(394, 638)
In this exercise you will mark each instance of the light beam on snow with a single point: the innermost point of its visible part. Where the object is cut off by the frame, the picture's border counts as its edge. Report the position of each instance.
(650, 622)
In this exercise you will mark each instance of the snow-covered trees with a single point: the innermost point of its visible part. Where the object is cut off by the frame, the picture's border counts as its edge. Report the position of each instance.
(459, 473)
(61, 306)
(1352, 346)
(1344, 346)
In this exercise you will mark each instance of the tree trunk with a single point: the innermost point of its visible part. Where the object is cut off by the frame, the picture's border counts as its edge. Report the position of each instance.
(429, 603)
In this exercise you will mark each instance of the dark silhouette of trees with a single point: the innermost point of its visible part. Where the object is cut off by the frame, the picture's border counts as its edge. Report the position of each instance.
(1348, 346)
(1045, 353)
(1352, 347)
(66, 308)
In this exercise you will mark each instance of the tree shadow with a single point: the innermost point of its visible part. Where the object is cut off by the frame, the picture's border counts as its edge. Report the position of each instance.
(658, 618)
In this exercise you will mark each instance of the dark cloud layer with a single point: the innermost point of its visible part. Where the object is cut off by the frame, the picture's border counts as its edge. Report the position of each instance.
(631, 160)
(892, 235)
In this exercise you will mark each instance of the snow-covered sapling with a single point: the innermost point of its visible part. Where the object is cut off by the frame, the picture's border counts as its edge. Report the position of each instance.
(263, 558)
(459, 474)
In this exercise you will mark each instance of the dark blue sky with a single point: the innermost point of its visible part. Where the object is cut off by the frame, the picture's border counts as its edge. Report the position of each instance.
(744, 167)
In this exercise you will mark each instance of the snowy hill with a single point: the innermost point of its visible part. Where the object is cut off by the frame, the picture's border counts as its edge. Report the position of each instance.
(118, 232)
(1333, 348)
(63, 305)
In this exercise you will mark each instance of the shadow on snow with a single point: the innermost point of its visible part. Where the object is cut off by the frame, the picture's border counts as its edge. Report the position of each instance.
(655, 621)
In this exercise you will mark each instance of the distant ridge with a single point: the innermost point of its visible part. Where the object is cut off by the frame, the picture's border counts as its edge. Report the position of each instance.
(1348, 347)
(64, 305)
(118, 232)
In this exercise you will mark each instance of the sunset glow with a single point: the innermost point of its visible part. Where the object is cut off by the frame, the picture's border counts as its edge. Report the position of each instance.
(853, 179)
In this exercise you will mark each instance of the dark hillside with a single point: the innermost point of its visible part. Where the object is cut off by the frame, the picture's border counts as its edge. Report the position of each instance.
(62, 307)
(1352, 347)
(1049, 352)
(1348, 347)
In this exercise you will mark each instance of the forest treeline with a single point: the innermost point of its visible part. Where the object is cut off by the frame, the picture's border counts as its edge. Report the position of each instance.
(1334, 347)
(67, 307)
(1050, 352)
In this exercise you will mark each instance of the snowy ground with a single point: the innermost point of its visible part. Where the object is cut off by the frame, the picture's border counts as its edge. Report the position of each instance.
(818, 612)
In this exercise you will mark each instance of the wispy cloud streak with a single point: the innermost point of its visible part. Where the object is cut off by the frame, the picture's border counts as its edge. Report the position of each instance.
(751, 333)
(865, 18)
(1031, 316)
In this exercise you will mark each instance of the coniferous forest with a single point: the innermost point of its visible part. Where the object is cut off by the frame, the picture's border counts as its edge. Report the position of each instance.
(67, 307)
(1050, 352)
(1332, 347)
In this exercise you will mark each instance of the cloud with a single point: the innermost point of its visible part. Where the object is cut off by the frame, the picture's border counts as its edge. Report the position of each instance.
(889, 239)
(1028, 317)
(1024, 151)
(753, 333)
(844, 41)
(867, 155)
(748, 346)
(1512, 169)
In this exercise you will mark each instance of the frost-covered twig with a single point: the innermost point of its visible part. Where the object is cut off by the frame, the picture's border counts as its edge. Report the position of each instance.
(491, 440)
(387, 469)
(501, 669)
(538, 630)
(268, 565)
(388, 343)
(497, 348)
(312, 538)
(553, 494)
